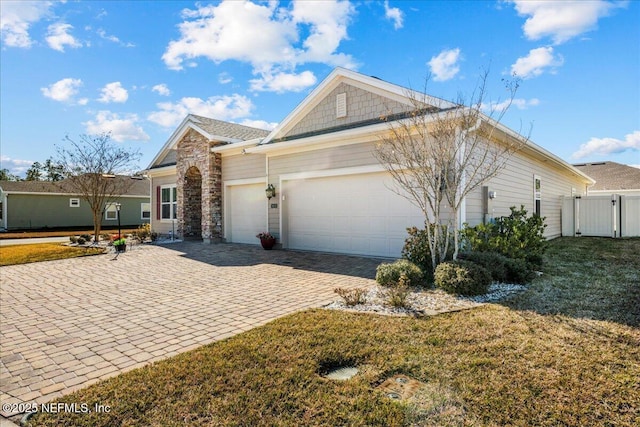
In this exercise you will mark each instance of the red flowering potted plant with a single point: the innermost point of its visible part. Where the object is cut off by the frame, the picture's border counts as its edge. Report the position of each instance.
(266, 240)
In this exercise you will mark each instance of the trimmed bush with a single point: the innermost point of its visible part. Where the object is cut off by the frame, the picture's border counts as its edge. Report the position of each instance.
(390, 274)
(73, 239)
(495, 263)
(462, 278)
(416, 248)
(515, 236)
(81, 240)
(518, 271)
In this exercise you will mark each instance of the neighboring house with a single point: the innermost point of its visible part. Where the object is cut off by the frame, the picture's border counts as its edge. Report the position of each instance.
(332, 195)
(43, 204)
(612, 178)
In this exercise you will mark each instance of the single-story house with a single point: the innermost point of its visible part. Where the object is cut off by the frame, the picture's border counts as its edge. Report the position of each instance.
(611, 178)
(331, 194)
(43, 204)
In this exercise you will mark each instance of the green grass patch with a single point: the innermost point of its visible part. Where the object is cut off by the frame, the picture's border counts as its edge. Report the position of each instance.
(528, 362)
(23, 254)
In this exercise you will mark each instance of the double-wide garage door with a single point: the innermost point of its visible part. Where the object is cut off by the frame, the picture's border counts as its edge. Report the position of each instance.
(354, 214)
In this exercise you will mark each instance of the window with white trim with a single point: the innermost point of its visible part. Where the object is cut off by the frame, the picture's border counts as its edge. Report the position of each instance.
(110, 212)
(145, 210)
(74, 203)
(168, 202)
(537, 195)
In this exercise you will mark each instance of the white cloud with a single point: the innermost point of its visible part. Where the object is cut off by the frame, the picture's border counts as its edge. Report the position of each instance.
(445, 65)
(519, 103)
(122, 128)
(113, 92)
(606, 146)
(103, 34)
(58, 37)
(260, 124)
(394, 14)
(536, 62)
(15, 166)
(224, 78)
(274, 40)
(63, 90)
(17, 16)
(561, 20)
(218, 107)
(283, 82)
(328, 22)
(161, 89)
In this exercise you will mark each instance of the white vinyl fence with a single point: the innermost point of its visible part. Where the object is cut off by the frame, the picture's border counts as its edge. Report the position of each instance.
(603, 216)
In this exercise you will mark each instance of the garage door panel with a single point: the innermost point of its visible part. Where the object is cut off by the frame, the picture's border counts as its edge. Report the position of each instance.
(355, 214)
(247, 213)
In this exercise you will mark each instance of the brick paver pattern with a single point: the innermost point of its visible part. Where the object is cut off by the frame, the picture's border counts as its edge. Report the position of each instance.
(67, 324)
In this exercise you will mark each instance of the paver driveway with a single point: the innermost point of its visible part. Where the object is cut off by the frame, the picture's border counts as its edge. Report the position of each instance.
(67, 324)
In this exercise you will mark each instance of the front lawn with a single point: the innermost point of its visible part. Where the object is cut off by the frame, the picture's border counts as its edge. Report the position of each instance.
(23, 254)
(566, 352)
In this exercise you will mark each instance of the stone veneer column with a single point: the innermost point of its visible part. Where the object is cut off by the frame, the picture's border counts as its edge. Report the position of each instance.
(194, 151)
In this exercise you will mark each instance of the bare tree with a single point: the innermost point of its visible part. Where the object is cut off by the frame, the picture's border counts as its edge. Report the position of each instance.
(441, 151)
(91, 167)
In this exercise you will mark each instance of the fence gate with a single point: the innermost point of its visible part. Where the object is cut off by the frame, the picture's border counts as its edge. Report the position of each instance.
(590, 216)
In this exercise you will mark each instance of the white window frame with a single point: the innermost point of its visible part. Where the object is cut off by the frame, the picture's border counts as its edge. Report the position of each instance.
(110, 208)
(173, 202)
(537, 195)
(147, 210)
(74, 202)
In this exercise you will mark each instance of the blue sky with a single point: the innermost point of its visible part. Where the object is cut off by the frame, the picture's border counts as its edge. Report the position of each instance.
(136, 68)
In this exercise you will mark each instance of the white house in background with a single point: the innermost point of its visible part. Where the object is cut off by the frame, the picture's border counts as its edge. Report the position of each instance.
(331, 194)
(612, 178)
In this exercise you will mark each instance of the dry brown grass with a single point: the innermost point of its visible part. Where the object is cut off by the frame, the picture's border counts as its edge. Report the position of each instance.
(517, 364)
(23, 254)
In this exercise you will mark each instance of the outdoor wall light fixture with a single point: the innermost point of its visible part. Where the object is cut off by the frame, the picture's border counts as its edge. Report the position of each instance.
(493, 194)
(271, 191)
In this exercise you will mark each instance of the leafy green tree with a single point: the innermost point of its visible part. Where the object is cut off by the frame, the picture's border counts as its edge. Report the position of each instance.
(5, 175)
(53, 172)
(34, 173)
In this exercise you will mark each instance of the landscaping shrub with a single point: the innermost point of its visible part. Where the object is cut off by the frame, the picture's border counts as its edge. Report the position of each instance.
(397, 294)
(462, 277)
(518, 271)
(352, 297)
(73, 239)
(81, 240)
(86, 237)
(495, 263)
(143, 232)
(515, 236)
(389, 274)
(416, 248)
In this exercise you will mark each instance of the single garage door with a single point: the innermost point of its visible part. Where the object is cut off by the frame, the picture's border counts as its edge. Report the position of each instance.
(354, 214)
(247, 213)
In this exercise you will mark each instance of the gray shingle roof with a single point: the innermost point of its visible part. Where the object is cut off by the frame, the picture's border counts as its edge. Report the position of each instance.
(611, 175)
(229, 130)
(140, 187)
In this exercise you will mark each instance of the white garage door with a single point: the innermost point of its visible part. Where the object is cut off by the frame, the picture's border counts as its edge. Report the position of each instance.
(355, 214)
(246, 213)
